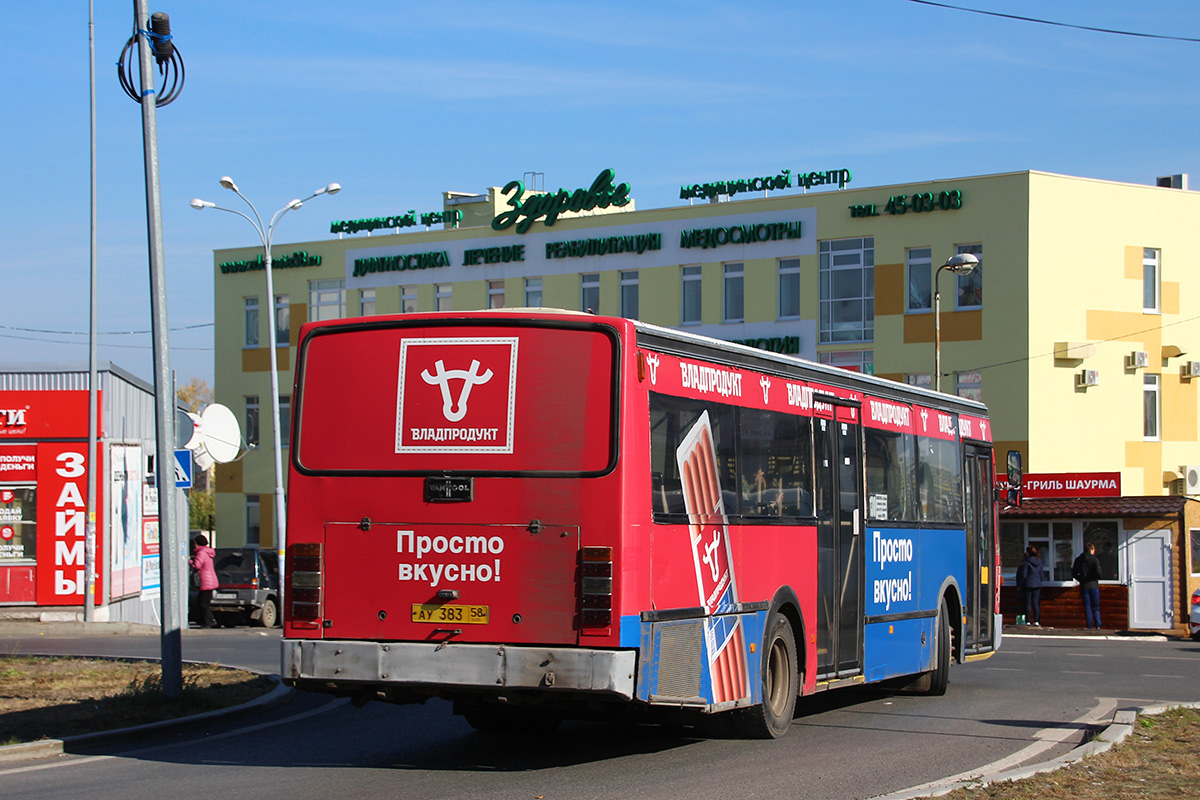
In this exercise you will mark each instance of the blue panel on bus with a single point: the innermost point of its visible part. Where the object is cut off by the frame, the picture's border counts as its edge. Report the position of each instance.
(677, 660)
(906, 572)
(896, 648)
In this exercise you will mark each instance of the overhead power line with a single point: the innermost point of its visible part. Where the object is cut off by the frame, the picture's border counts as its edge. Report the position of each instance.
(1020, 18)
(101, 333)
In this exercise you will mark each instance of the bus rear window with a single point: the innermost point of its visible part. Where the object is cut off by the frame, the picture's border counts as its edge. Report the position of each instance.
(465, 399)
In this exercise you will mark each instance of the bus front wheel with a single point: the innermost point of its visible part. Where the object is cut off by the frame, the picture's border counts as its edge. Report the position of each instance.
(779, 678)
(940, 676)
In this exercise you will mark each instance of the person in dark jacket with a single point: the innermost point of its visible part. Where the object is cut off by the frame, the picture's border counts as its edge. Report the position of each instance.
(1029, 584)
(1086, 570)
(201, 563)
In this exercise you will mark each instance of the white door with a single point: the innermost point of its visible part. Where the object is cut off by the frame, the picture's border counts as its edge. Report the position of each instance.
(1150, 580)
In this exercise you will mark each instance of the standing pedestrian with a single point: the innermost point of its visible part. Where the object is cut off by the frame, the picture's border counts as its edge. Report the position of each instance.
(1086, 570)
(1029, 584)
(201, 562)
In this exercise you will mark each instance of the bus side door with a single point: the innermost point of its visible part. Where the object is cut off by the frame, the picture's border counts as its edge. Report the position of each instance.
(839, 494)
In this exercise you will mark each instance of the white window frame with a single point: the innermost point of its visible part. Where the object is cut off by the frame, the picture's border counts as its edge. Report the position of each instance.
(283, 324)
(250, 322)
(533, 292)
(589, 289)
(975, 249)
(285, 420)
(629, 294)
(495, 294)
(734, 286)
(691, 277)
(325, 295)
(1046, 551)
(1151, 396)
(408, 299)
(854, 360)
(831, 250)
(443, 297)
(918, 265)
(789, 271)
(1151, 280)
(969, 384)
(366, 303)
(253, 419)
(922, 379)
(253, 512)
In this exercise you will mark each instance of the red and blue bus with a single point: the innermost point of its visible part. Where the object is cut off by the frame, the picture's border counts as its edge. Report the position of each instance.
(540, 515)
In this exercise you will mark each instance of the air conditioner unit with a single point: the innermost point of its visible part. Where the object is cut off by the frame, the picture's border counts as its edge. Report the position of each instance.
(1190, 479)
(1088, 377)
(1191, 369)
(1138, 359)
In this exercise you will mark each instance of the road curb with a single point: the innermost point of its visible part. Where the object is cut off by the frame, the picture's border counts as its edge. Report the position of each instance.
(56, 747)
(1114, 733)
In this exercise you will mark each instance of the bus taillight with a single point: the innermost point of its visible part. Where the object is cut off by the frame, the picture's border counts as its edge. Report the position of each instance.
(304, 584)
(595, 589)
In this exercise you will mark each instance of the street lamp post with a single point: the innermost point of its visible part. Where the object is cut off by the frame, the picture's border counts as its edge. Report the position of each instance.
(960, 264)
(265, 233)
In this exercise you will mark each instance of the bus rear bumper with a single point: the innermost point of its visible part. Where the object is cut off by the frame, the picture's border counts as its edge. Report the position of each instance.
(459, 666)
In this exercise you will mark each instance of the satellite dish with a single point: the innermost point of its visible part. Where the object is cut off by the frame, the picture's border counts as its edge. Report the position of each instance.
(217, 437)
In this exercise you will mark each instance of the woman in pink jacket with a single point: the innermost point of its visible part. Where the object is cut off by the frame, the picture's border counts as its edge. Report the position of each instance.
(202, 563)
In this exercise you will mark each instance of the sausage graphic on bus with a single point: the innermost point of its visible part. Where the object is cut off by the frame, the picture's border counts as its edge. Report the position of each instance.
(715, 580)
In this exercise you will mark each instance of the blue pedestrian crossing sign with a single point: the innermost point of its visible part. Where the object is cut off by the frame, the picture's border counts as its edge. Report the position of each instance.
(183, 469)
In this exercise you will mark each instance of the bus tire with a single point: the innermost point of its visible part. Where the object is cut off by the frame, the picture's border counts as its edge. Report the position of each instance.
(939, 677)
(779, 673)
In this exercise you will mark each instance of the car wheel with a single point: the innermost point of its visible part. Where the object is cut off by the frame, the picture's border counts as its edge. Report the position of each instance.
(269, 617)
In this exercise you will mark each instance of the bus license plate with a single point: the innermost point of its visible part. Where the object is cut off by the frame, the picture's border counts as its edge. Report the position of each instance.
(450, 614)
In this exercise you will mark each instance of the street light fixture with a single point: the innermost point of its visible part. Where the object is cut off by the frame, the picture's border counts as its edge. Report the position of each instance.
(960, 264)
(266, 234)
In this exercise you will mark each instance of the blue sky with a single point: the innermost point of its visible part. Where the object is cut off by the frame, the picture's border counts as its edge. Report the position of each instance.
(399, 102)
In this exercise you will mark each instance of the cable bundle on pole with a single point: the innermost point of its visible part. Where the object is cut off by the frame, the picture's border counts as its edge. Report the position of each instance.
(166, 55)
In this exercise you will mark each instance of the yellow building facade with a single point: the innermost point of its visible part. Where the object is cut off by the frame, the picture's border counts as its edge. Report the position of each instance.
(1075, 330)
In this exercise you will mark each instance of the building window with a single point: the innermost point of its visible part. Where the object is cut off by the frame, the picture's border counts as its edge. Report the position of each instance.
(408, 299)
(848, 290)
(921, 379)
(920, 280)
(285, 421)
(253, 515)
(969, 385)
(1151, 296)
(533, 292)
(1194, 536)
(691, 296)
(970, 287)
(366, 303)
(326, 300)
(495, 294)
(443, 298)
(252, 419)
(735, 298)
(251, 316)
(789, 288)
(853, 360)
(629, 295)
(1058, 543)
(1151, 408)
(283, 325)
(589, 292)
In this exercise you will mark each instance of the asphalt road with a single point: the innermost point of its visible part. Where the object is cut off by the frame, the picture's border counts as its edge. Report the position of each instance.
(1032, 700)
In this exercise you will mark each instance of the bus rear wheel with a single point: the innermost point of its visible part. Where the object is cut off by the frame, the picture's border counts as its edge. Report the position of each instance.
(780, 681)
